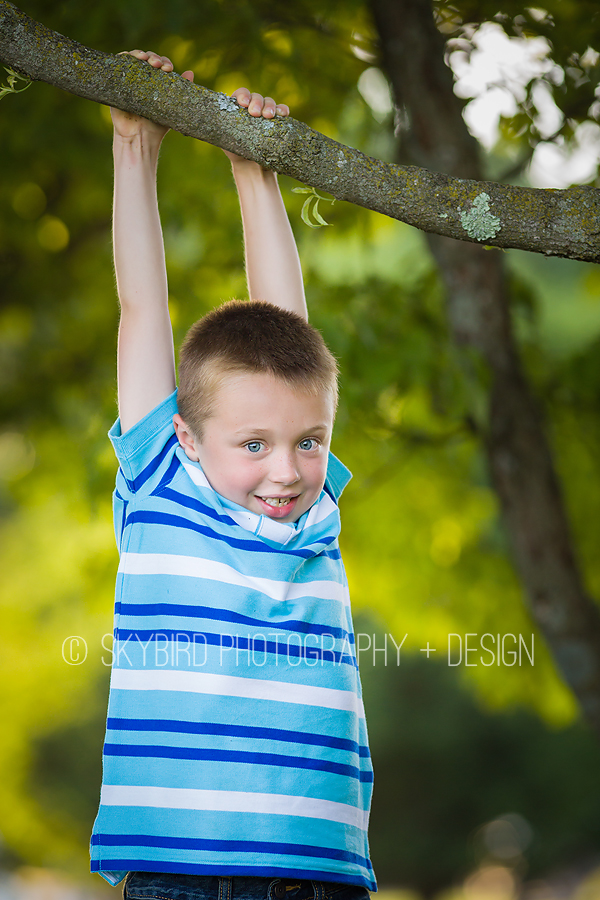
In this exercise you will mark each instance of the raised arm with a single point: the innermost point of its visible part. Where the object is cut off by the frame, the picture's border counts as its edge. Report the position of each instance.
(146, 365)
(272, 263)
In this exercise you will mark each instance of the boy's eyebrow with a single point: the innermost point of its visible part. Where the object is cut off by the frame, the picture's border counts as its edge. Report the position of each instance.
(262, 431)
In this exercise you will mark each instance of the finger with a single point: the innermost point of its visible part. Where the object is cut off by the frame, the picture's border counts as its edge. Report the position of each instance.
(242, 95)
(282, 109)
(138, 54)
(256, 104)
(269, 108)
(159, 62)
(189, 75)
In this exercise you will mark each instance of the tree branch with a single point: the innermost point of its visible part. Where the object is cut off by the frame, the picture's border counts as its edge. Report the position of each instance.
(519, 456)
(555, 223)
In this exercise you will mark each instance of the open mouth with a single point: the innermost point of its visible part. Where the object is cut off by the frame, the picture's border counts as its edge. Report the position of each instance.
(277, 507)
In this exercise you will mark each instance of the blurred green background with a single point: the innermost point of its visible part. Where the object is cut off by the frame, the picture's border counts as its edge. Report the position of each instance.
(485, 777)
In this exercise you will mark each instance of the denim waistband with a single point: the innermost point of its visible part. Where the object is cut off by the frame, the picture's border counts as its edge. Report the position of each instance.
(167, 886)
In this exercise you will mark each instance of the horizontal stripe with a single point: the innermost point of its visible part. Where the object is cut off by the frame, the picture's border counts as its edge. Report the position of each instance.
(231, 825)
(154, 517)
(251, 644)
(243, 731)
(228, 615)
(192, 503)
(233, 801)
(235, 686)
(150, 840)
(237, 756)
(248, 786)
(114, 870)
(200, 567)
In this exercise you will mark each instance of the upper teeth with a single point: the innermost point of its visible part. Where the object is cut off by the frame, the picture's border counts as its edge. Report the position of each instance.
(277, 501)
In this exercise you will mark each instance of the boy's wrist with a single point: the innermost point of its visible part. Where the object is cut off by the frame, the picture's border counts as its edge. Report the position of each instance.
(143, 140)
(136, 148)
(247, 169)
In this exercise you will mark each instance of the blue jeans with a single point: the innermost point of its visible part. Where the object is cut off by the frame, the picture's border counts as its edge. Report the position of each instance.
(165, 886)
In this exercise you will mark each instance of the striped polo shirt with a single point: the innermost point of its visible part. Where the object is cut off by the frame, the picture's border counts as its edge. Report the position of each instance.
(235, 740)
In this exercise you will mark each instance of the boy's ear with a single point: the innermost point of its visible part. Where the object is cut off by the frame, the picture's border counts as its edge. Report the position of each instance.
(185, 438)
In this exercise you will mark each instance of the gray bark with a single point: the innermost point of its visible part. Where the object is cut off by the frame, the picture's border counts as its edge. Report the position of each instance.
(559, 223)
(451, 203)
(518, 453)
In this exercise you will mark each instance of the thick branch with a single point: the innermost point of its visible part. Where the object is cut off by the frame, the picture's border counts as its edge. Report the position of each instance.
(518, 453)
(556, 223)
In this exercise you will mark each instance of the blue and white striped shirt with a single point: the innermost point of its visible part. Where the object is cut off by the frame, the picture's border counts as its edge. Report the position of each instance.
(236, 741)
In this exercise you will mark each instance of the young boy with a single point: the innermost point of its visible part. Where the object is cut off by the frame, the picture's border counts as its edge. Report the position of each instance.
(236, 761)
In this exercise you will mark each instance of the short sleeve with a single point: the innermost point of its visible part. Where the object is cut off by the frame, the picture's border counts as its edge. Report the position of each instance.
(145, 448)
(337, 476)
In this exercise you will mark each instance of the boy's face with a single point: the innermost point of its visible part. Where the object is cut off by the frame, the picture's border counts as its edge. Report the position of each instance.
(266, 445)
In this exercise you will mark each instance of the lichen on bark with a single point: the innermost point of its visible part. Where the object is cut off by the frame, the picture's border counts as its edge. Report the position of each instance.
(557, 223)
(478, 222)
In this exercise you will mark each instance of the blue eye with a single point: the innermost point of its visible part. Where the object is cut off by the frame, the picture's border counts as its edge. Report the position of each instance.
(254, 446)
(308, 444)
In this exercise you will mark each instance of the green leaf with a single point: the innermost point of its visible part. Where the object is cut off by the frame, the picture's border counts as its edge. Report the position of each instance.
(305, 213)
(12, 79)
(306, 209)
(319, 218)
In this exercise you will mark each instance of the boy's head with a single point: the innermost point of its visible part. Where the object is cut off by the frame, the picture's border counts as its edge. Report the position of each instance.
(250, 337)
(257, 399)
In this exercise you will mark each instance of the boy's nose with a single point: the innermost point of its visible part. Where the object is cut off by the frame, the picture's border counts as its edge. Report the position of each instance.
(284, 470)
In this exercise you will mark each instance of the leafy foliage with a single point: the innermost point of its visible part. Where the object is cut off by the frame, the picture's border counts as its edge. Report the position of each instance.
(571, 32)
(310, 207)
(11, 82)
(422, 540)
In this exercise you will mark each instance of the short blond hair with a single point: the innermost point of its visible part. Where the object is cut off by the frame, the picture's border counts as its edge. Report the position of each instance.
(250, 336)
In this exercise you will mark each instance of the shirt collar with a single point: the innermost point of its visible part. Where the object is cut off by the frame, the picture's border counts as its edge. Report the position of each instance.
(262, 526)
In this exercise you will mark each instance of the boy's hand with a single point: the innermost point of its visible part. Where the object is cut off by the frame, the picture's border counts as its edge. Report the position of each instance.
(128, 125)
(267, 231)
(257, 106)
